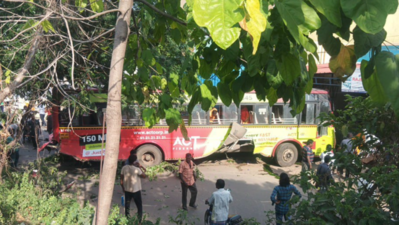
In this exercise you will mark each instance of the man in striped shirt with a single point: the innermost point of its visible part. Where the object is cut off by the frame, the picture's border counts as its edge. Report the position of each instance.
(307, 156)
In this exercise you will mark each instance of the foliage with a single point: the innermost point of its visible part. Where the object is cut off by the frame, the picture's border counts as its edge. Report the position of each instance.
(367, 197)
(183, 219)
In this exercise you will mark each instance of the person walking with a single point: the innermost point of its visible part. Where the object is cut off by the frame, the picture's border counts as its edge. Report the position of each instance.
(187, 179)
(131, 185)
(283, 192)
(324, 176)
(307, 156)
(42, 113)
(220, 200)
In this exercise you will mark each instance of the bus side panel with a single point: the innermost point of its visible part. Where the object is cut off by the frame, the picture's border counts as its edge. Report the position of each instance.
(265, 138)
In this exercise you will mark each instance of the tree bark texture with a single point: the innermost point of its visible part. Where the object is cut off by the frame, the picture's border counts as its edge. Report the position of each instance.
(113, 113)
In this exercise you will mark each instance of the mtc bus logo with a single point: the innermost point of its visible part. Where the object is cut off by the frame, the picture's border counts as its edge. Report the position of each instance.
(181, 144)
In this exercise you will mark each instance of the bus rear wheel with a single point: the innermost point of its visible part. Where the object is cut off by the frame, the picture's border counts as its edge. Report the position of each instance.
(286, 154)
(149, 155)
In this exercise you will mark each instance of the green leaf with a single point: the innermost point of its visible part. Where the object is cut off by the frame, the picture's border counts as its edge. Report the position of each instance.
(300, 20)
(326, 38)
(97, 5)
(81, 4)
(387, 70)
(312, 71)
(173, 85)
(260, 91)
(273, 76)
(225, 93)
(344, 63)
(7, 73)
(163, 83)
(47, 26)
(257, 22)
(146, 55)
(194, 100)
(254, 64)
(30, 23)
(149, 117)
(143, 74)
(373, 86)
(183, 131)
(364, 41)
(369, 15)
(272, 96)
(173, 119)
(156, 81)
(205, 69)
(219, 16)
(8, 80)
(289, 68)
(207, 99)
(331, 9)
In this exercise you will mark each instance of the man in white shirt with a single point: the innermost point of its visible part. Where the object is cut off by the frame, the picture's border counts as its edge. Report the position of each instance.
(131, 184)
(42, 112)
(220, 200)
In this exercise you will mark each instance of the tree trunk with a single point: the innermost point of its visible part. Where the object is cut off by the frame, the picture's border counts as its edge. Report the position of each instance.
(113, 113)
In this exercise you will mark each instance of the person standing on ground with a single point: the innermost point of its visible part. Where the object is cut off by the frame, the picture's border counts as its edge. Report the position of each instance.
(347, 148)
(220, 200)
(34, 129)
(131, 185)
(187, 179)
(324, 175)
(42, 113)
(14, 153)
(283, 192)
(307, 156)
(49, 122)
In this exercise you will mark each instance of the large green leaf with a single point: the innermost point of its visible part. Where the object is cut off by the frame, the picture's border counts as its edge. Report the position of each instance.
(219, 16)
(289, 68)
(207, 99)
(373, 86)
(273, 76)
(369, 15)
(47, 26)
(225, 93)
(330, 9)
(272, 96)
(81, 4)
(173, 85)
(312, 71)
(364, 41)
(149, 117)
(300, 20)
(257, 22)
(326, 38)
(173, 119)
(97, 5)
(387, 69)
(344, 63)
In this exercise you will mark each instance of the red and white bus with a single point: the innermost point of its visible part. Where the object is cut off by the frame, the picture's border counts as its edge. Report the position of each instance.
(271, 131)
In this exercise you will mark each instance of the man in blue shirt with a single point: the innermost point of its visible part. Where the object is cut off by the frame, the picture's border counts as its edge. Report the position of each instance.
(220, 200)
(324, 175)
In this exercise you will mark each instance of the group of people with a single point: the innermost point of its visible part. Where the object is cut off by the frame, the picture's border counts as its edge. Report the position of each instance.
(131, 186)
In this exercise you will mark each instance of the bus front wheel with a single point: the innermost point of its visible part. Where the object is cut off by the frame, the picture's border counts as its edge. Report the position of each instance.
(286, 154)
(149, 155)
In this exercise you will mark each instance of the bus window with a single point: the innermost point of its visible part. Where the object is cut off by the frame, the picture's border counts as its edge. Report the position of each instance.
(281, 114)
(309, 114)
(131, 116)
(261, 115)
(198, 116)
(228, 114)
(247, 114)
